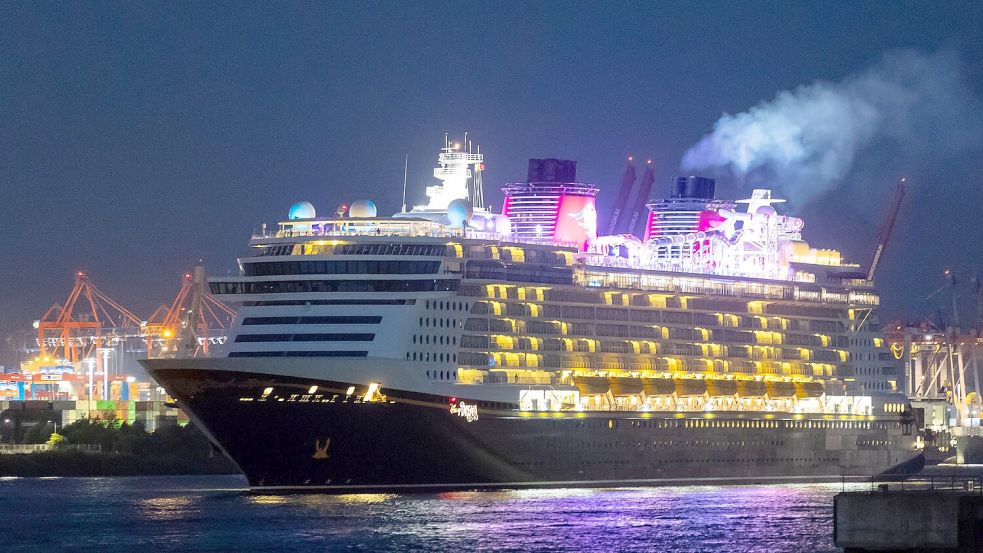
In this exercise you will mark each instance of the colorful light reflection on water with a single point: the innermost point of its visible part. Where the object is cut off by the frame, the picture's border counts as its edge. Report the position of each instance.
(215, 514)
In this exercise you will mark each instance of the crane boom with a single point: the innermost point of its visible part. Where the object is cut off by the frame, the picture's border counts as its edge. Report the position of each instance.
(885, 235)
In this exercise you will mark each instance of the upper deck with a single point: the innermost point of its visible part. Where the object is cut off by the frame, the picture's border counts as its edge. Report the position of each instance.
(315, 239)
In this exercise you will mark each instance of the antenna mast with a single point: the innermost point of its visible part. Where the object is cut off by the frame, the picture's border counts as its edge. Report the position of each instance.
(406, 165)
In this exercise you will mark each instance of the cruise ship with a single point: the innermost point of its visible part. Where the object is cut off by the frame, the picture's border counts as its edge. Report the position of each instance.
(450, 347)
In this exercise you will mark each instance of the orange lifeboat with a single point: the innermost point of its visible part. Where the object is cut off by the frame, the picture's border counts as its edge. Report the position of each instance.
(690, 387)
(751, 388)
(721, 387)
(625, 386)
(805, 390)
(591, 385)
(658, 386)
(781, 389)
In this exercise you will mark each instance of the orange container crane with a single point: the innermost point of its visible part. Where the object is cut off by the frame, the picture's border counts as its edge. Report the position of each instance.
(79, 334)
(184, 328)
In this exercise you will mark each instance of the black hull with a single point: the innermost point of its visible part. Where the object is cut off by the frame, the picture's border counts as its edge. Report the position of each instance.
(333, 441)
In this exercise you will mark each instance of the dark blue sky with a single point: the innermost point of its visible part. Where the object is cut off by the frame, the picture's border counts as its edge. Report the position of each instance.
(135, 138)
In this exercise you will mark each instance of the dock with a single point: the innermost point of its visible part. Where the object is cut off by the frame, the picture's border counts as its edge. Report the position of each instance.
(926, 514)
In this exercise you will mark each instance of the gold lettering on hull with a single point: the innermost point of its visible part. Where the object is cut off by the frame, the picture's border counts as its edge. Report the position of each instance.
(466, 410)
(321, 452)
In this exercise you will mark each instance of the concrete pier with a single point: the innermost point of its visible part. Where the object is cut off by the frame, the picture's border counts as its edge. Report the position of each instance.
(924, 514)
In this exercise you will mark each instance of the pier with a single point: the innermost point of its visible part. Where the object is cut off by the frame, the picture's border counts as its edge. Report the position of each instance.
(936, 513)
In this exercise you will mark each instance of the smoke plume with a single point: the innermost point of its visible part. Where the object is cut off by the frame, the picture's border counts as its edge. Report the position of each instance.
(912, 107)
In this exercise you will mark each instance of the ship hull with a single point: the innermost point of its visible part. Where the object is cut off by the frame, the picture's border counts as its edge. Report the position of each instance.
(286, 432)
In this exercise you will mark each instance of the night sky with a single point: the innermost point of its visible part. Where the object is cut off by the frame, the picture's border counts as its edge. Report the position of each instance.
(136, 139)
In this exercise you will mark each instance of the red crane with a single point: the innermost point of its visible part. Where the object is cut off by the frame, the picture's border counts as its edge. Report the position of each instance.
(886, 229)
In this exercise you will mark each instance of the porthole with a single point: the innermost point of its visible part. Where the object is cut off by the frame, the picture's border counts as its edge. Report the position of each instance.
(428, 374)
(428, 304)
(414, 338)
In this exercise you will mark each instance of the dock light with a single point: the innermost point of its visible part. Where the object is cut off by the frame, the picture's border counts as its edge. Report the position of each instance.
(351, 390)
(312, 390)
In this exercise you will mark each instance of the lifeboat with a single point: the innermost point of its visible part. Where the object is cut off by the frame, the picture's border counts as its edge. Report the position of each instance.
(751, 388)
(721, 387)
(658, 386)
(805, 390)
(781, 389)
(625, 386)
(590, 385)
(690, 387)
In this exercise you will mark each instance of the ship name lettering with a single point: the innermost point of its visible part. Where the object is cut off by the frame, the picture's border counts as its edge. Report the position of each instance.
(466, 410)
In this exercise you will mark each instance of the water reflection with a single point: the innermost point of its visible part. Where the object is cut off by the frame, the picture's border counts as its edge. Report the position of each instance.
(167, 508)
(120, 515)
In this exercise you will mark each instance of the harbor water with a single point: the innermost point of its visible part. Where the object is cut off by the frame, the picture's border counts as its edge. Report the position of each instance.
(186, 513)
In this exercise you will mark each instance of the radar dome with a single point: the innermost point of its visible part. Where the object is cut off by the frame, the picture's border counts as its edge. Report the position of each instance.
(459, 211)
(301, 210)
(766, 210)
(362, 208)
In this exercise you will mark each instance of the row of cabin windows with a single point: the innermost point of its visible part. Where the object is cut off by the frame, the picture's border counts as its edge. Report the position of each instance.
(442, 305)
(299, 354)
(371, 267)
(324, 320)
(582, 312)
(518, 272)
(349, 301)
(439, 357)
(319, 337)
(439, 322)
(436, 339)
(442, 375)
(587, 296)
(301, 286)
(354, 249)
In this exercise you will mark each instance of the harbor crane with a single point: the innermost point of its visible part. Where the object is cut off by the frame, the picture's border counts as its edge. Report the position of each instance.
(183, 328)
(78, 334)
(887, 228)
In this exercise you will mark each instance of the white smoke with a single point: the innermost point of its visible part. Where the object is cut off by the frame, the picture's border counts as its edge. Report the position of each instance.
(805, 142)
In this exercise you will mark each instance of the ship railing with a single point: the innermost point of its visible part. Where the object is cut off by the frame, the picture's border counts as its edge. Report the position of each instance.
(382, 231)
(13, 449)
(885, 483)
